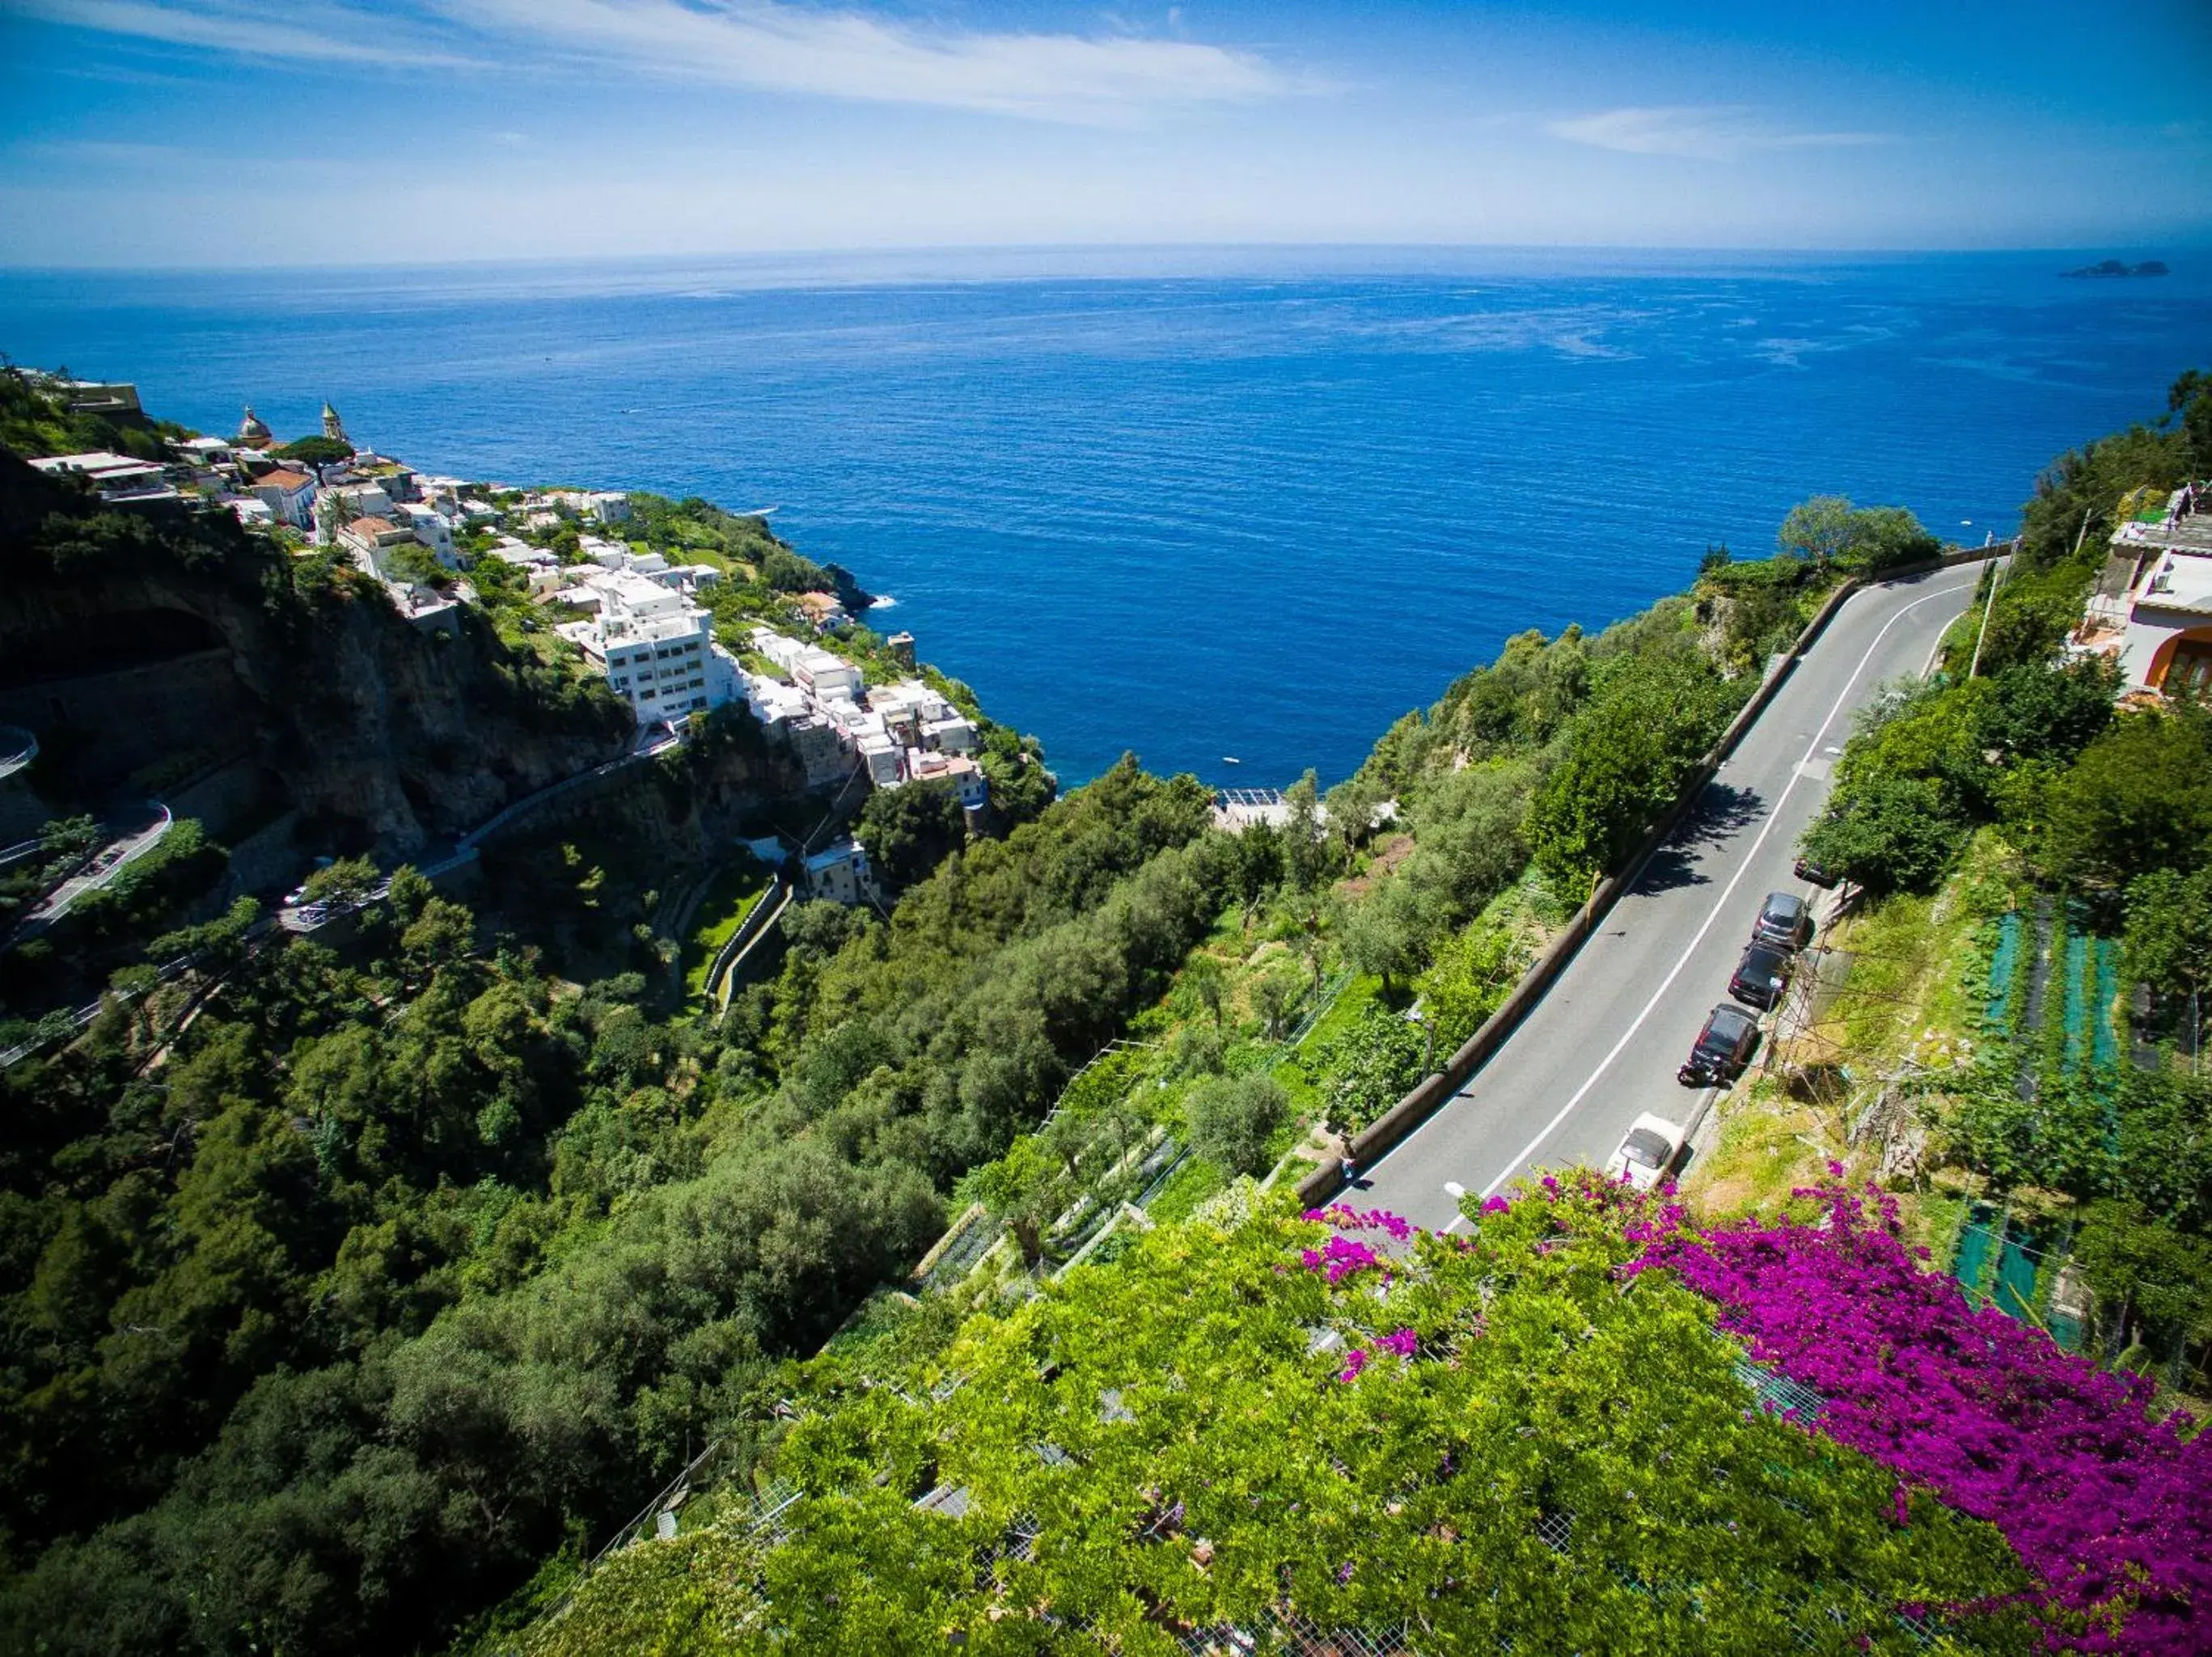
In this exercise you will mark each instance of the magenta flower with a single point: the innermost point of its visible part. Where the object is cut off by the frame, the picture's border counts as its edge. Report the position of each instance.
(2110, 1510)
(1495, 1205)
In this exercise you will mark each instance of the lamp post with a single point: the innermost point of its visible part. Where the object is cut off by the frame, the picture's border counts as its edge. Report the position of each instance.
(1413, 1015)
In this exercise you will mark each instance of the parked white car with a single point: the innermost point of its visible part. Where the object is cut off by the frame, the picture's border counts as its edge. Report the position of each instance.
(1647, 1151)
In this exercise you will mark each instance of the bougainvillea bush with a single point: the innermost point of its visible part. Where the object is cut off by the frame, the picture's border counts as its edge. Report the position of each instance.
(1258, 1420)
(2111, 1508)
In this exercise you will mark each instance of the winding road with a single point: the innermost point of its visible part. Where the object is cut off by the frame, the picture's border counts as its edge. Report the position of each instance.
(1603, 1045)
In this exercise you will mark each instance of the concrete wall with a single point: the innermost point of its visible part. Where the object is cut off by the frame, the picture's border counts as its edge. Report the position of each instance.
(225, 798)
(137, 714)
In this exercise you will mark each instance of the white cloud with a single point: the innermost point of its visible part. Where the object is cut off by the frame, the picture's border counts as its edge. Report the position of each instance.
(768, 45)
(306, 33)
(1719, 132)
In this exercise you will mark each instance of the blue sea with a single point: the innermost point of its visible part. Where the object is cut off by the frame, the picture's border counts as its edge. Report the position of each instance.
(1235, 511)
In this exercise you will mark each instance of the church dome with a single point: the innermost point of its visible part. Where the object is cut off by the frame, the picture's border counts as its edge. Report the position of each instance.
(251, 430)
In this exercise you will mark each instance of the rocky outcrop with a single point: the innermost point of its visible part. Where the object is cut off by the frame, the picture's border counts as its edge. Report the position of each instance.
(383, 737)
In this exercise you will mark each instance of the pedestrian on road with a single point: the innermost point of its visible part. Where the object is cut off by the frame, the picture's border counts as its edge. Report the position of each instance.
(1351, 1172)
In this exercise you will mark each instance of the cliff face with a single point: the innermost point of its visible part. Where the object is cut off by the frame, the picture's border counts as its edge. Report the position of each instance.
(401, 737)
(116, 631)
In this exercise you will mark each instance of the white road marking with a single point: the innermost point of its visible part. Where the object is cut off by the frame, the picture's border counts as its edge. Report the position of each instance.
(1933, 651)
(1454, 1190)
(1773, 815)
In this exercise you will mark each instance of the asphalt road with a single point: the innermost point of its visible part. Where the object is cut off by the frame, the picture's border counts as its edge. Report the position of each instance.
(1604, 1045)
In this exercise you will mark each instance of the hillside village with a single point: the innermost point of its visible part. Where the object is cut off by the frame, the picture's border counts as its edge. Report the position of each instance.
(637, 620)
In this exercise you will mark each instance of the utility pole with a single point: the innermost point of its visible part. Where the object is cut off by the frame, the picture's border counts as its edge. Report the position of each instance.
(1997, 574)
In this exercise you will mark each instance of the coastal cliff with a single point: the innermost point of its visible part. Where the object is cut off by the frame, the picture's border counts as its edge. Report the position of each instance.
(131, 637)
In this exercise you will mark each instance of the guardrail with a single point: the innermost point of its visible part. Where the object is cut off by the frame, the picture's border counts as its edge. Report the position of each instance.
(531, 802)
(771, 904)
(1428, 1096)
(52, 1029)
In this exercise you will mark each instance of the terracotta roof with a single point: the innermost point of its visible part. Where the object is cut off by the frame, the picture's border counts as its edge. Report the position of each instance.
(373, 527)
(284, 478)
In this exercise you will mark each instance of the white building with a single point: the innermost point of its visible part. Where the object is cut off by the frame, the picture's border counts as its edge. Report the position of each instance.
(881, 755)
(2152, 608)
(655, 646)
(966, 777)
(342, 501)
(369, 541)
(825, 677)
(289, 495)
(595, 506)
(205, 451)
(432, 528)
(839, 873)
(116, 476)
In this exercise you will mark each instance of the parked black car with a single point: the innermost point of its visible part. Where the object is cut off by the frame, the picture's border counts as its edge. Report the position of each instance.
(1761, 975)
(1722, 1048)
(1784, 920)
(1808, 869)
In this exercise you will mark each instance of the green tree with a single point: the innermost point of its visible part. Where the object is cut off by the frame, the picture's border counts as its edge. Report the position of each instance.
(346, 882)
(1820, 529)
(1383, 933)
(1207, 984)
(1274, 992)
(1828, 529)
(316, 450)
(909, 830)
(2190, 400)
(1232, 1120)
(2137, 799)
(1025, 1188)
(1305, 847)
(2169, 939)
(1623, 760)
(1892, 834)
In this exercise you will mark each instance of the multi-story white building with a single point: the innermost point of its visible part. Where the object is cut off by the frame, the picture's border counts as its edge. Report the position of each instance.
(655, 646)
(965, 776)
(595, 506)
(370, 542)
(431, 527)
(826, 677)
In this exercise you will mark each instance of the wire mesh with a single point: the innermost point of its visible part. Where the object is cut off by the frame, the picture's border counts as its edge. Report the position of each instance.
(1778, 1394)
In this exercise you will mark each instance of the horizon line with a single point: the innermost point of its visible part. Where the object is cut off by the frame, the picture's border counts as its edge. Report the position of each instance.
(760, 257)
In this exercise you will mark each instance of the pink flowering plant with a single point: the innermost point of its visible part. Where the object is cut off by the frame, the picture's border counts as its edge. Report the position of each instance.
(2111, 1508)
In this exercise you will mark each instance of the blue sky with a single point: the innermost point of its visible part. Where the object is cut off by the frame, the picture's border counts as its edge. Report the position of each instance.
(235, 132)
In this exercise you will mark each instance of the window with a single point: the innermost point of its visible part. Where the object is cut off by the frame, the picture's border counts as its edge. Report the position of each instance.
(2190, 673)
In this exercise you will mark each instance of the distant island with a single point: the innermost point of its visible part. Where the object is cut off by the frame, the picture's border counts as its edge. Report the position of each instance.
(2120, 267)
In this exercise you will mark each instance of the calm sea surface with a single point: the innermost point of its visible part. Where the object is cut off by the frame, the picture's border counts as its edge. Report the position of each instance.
(1239, 504)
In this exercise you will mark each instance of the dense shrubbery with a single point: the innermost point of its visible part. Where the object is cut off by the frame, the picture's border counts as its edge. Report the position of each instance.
(415, 1257)
(1623, 762)
(1261, 1420)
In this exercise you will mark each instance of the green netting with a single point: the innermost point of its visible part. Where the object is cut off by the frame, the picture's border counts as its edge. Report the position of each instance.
(1978, 1245)
(2106, 1049)
(2013, 1293)
(2002, 959)
(2077, 1012)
